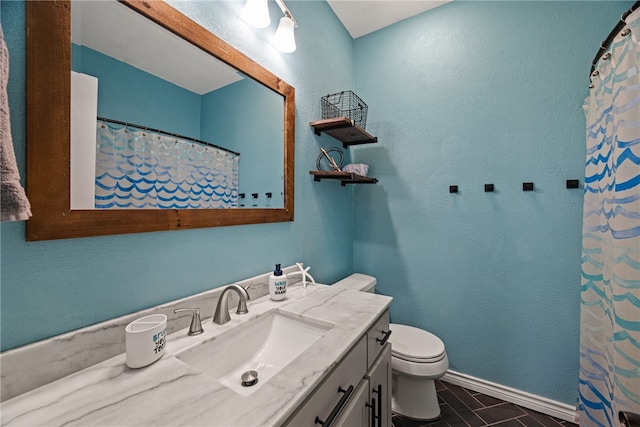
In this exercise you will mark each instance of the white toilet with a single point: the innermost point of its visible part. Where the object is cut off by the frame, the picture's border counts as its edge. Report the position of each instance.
(417, 359)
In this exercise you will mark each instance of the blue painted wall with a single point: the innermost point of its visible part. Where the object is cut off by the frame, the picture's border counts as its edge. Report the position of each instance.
(468, 94)
(131, 95)
(52, 287)
(246, 117)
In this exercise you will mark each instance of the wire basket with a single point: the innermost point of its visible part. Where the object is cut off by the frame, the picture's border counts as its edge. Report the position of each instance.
(345, 104)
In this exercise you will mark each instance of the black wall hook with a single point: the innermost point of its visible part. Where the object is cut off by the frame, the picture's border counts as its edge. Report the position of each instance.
(573, 183)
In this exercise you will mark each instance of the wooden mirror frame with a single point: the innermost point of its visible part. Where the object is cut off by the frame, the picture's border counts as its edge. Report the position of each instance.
(48, 50)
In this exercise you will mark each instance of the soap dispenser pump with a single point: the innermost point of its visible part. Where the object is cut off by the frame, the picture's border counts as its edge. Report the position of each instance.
(278, 284)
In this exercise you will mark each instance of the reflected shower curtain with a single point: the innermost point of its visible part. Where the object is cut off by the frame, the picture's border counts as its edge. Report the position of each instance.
(610, 289)
(138, 169)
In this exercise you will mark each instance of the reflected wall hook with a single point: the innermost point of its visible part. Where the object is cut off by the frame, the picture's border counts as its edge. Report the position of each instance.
(573, 183)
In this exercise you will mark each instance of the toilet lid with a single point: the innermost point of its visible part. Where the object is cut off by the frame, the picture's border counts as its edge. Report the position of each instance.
(415, 345)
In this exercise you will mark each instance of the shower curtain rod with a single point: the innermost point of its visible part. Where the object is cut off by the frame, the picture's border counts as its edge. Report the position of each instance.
(118, 122)
(607, 42)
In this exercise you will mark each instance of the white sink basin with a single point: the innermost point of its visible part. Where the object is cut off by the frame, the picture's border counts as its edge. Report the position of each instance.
(265, 344)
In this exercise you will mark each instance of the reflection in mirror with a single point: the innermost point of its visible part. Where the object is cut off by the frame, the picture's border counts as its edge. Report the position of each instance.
(242, 124)
(178, 128)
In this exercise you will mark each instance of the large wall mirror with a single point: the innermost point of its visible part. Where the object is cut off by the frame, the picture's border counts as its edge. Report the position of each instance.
(139, 119)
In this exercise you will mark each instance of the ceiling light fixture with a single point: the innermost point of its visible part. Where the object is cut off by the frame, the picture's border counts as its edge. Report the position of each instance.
(256, 13)
(284, 39)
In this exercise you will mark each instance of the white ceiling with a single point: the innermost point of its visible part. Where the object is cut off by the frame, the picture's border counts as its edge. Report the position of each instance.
(362, 17)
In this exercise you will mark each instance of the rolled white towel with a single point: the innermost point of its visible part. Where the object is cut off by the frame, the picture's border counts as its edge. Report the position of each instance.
(357, 168)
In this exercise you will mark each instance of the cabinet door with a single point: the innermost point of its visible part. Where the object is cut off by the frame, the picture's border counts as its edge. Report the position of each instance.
(380, 388)
(328, 401)
(357, 412)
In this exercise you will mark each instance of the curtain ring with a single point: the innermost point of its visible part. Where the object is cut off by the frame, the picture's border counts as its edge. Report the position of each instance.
(595, 73)
(606, 56)
(625, 32)
(591, 86)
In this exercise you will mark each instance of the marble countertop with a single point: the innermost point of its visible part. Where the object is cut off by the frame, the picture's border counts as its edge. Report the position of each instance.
(171, 393)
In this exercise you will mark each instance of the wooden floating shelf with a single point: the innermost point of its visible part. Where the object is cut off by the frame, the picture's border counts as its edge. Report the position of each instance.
(344, 130)
(344, 177)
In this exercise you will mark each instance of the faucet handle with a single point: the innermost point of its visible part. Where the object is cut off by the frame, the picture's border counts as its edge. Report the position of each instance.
(196, 324)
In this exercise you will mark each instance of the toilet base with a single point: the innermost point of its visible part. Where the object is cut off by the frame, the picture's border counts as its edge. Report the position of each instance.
(414, 397)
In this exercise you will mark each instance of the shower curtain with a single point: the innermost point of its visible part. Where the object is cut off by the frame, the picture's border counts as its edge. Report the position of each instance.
(610, 287)
(138, 169)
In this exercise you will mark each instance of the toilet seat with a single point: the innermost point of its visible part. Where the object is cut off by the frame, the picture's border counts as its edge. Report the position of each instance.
(415, 345)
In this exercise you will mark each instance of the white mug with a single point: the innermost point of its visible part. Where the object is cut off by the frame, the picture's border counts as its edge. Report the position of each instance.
(146, 340)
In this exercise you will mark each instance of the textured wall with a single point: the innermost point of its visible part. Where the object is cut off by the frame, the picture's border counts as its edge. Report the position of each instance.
(129, 94)
(468, 94)
(247, 117)
(56, 286)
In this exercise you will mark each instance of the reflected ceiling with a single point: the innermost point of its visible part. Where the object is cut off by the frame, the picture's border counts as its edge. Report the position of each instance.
(105, 25)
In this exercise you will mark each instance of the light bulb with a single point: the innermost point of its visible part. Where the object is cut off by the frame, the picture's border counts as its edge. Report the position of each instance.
(256, 13)
(284, 39)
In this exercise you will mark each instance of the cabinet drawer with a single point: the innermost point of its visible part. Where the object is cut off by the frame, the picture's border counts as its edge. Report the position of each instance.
(377, 337)
(327, 396)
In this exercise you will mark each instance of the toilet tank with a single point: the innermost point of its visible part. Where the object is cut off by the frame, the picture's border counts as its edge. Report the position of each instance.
(358, 282)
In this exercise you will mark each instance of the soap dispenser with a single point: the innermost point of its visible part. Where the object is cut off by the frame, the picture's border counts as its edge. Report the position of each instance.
(278, 284)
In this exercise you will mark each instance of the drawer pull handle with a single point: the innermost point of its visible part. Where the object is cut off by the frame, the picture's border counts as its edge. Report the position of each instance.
(372, 405)
(378, 391)
(385, 338)
(343, 401)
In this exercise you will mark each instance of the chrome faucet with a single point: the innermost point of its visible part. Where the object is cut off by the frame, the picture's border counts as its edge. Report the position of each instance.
(221, 315)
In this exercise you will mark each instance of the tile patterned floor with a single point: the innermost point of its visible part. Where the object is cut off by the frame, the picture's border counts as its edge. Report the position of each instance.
(465, 408)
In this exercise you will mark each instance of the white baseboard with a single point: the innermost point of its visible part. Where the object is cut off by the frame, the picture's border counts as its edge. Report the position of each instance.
(508, 394)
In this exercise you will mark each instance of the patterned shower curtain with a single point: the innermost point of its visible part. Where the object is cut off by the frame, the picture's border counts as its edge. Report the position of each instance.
(138, 169)
(610, 289)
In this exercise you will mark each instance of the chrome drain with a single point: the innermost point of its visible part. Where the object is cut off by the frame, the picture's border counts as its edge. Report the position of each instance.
(249, 378)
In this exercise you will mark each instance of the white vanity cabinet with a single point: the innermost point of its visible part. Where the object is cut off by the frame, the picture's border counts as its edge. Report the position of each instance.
(358, 391)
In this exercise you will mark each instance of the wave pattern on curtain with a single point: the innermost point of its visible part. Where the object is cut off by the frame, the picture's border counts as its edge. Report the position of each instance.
(137, 169)
(610, 286)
